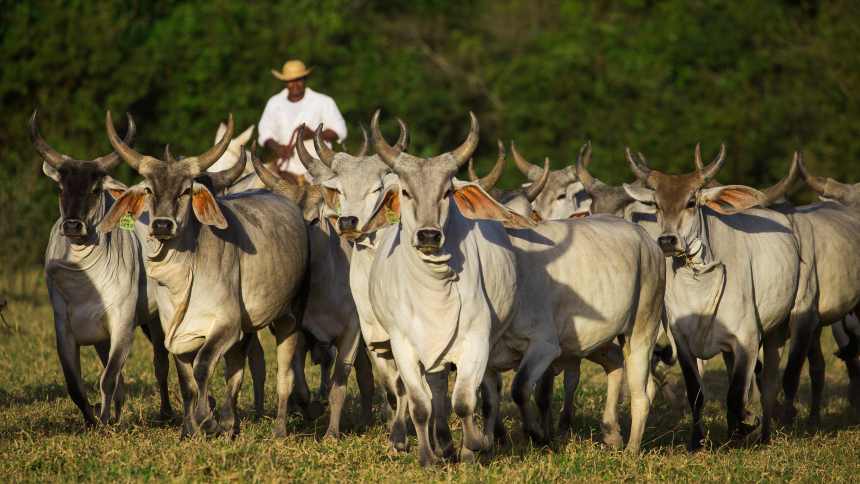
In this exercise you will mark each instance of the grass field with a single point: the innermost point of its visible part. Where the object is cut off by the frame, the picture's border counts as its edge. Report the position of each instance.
(42, 437)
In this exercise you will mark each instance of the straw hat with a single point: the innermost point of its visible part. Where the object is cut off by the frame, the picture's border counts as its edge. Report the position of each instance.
(293, 69)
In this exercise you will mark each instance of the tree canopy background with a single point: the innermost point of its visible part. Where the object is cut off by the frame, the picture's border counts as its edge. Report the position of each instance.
(766, 77)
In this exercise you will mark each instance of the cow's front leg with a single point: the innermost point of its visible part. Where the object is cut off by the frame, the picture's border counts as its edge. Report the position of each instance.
(70, 359)
(418, 392)
(222, 336)
(111, 383)
(188, 389)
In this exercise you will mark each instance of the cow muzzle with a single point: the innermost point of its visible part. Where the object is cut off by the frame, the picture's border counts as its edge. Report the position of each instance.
(669, 245)
(428, 241)
(163, 228)
(347, 226)
(74, 228)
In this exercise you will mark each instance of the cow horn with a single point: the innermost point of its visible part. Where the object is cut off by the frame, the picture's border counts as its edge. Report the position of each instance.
(387, 153)
(463, 152)
(642, 172)
(536, 187)
(402, 139)
(317, 168)
(711, 170)
(225, 178)
(274, 182)
(168, 156)
(697, 157)
(532, 172)
(50, 155)
(207, 159)
(110, 161)
(826, 187)
(489, 181)
(325, 153)
(364, 144)
(582, 162)
(132, 157)
(778, 191)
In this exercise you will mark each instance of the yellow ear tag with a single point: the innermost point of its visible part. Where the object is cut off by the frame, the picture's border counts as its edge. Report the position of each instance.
(126, 222)
(391, 216)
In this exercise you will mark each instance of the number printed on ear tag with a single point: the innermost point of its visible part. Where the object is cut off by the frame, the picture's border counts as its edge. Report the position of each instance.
(127, 222)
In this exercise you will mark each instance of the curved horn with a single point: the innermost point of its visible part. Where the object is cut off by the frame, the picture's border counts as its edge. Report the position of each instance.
(110, 161)
(168, 156)
(489, 181)
(532, 172)
(325, 153)
(307, 160)
(536, 187)
(711, 170)
(473, 176)
(225, 178)
(387, 153)
(778, 191)
(364, 144)
(128, 154)
(211, 155)
(274, 182)
(463, 152)
(402, 140)
(697, 157)
(50, 155)
(826, 187)
(641, 172)
(582, 162)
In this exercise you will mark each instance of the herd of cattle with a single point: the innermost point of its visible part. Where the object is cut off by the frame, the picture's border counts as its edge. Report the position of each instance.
(391, 264)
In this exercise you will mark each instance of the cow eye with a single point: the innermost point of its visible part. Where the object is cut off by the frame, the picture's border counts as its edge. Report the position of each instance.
(406, 193)
(561, 197)
(691, 203)
(377, 189)
(147, 190)
(185, 192)
(447, 194)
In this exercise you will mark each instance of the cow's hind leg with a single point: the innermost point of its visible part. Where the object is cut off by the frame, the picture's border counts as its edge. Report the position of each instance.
(491, 389)
(111, 384)
(234, 370)
(740, 364)
(770, 380)
(395, 393)
(257, 365)
(287, 342)
(534, 364)
(571, 382)
(364, 378)
(347, 347)
(803, 328)
(161, 364)
(695, 397)
(817, 368)
(443, 443)
(611, 358)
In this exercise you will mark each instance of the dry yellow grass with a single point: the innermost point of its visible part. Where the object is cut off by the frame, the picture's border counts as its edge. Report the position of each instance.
(42, 437)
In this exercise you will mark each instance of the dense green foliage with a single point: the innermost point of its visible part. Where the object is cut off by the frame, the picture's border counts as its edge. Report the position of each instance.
(766, 77)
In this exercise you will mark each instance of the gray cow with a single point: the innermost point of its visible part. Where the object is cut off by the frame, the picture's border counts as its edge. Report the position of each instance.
(225, 267)
(736, 277)
(330, 315)
(96, 282)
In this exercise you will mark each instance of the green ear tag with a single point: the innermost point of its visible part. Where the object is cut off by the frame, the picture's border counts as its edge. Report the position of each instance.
(126, 222)
(391, 216)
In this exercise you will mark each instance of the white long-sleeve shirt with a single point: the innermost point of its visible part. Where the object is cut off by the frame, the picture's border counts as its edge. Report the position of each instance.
(282, 116)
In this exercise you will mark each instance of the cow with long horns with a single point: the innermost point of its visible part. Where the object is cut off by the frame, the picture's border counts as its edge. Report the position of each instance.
(225, 267)
(735, 279)
(96, 283)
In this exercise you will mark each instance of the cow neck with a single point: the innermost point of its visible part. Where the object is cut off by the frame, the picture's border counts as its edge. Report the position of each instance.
(335, 243)
(699, 255)
(172, 266)
(100, 261)
(437, 266)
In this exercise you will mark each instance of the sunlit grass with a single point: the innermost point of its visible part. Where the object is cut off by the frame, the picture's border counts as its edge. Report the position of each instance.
(42, 437)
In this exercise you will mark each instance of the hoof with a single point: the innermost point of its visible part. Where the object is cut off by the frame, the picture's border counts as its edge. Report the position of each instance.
(789, 413)
(280, 430)
(426, 458)
(613, 440)
(331, 435)
(467, 456)
(399, 446)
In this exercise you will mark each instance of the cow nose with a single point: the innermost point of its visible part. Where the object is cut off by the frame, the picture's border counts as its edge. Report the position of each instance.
(667, 242)
(73, 228)
(429, 237)
(347, 224)
(163, 227)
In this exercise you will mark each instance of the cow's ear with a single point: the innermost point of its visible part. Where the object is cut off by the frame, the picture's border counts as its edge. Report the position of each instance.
(640, 194)
(729, 199)
(51, 172)
(205, 207)
(387, 212)
(475, 203)
(113, 186)
(132, 201)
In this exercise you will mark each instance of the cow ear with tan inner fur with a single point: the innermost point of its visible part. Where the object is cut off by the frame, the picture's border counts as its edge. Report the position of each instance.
(475, 203)
(131, 201)
(113, 186)
(387, 213)
(206, 208)
(730, 199)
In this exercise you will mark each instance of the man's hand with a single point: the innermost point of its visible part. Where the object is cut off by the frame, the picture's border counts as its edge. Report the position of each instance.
(327, 134)
(283, 151)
